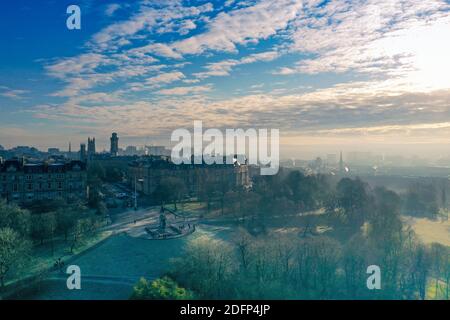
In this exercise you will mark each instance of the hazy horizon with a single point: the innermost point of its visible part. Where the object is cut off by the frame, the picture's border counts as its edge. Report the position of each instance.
(289, 151)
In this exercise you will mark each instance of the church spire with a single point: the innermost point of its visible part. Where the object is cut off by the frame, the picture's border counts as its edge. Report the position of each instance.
(341, 164)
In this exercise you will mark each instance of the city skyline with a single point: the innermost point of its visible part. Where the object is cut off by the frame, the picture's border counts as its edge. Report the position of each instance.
(328, 74)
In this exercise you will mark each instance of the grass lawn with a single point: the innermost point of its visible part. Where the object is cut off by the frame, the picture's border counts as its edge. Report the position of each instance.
(430, 231)
(190, 208)
(122, 256)
(441, 290)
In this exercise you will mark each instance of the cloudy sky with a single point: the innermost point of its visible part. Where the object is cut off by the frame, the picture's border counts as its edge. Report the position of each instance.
(340, 74)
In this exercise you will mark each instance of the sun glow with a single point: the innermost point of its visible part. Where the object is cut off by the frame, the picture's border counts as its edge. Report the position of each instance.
(421, 53)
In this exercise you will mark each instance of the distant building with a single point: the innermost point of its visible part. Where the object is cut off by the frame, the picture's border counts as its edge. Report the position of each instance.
(157, 151)
(25, 151)
(70, 155)
(25, 182)
(4, 154)
(107, 161)
(83, 154)
(53, 150)
(90, 147)
(316, 165)
(131, 151)
(114, 150)
(151, 170)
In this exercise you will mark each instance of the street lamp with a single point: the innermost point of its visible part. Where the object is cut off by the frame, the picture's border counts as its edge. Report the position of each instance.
(135, 190)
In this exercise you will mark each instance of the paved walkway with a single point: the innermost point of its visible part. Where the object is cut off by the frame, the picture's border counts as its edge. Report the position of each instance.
(123, 280)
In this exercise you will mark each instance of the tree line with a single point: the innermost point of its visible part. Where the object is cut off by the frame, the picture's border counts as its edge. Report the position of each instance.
(286, 267)
(23, 231)
(304, 265)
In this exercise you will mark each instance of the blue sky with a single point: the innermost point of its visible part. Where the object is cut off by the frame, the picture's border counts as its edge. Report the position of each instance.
(347, 74)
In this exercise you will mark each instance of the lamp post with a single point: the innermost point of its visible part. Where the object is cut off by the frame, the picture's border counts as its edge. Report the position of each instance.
(135, 193)
(135, 190)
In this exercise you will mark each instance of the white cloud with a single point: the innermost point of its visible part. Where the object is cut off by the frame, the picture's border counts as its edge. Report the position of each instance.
(84, 63)
(111, 9)
(389, 38)
(148, 17)
(86, 71)
(181, 27)
(241, 26)
(190, 81)
(223, 68)
(229, 3)
(178, 91)
(371, 109)
(15, 94)
(238, 27)
(157, 49)
(187, 26)
(164, 78)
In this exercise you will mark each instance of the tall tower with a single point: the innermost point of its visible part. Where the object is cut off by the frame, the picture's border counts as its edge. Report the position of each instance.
(83, 155)
(114, 144)
(91, 146)
(341, 164)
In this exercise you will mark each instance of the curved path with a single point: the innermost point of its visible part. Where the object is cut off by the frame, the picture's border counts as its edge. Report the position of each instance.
(121, 280)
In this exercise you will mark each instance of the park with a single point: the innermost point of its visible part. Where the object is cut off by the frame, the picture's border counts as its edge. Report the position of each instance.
(312, 238)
